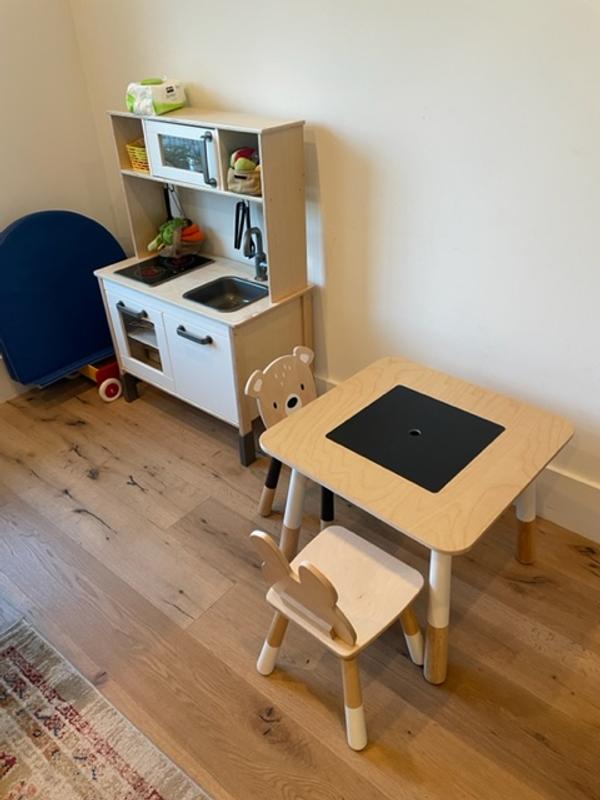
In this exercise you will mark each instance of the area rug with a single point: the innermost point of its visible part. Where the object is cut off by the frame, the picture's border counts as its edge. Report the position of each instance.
(61, 740)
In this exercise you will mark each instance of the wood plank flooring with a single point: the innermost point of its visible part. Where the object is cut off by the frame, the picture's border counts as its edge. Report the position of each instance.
(124, 540)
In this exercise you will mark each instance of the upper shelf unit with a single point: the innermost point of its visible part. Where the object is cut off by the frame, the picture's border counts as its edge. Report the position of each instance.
(191, 148)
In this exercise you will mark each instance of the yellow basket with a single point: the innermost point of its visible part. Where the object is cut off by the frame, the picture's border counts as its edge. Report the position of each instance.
(138, 156)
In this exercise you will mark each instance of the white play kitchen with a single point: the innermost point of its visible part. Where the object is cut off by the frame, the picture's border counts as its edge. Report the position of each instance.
(197, 324)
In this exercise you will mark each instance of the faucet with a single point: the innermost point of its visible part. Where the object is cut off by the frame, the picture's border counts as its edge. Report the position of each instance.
(254, 249)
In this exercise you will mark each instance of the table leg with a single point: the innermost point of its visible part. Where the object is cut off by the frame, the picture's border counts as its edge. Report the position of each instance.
(526, 513)
(292, 518)
(438, 617)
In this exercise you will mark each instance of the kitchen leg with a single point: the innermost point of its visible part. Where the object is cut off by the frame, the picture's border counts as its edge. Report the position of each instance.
(130, 382)
(247, 448)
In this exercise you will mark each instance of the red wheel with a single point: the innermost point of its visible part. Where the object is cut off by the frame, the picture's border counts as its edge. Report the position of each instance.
(110, 390)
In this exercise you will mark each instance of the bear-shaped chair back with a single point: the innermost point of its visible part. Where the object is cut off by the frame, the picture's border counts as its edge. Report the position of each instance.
(308, 592)
(283, 387)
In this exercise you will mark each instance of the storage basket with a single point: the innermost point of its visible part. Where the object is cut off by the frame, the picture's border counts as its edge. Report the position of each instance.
(138, 156)
(244, 181)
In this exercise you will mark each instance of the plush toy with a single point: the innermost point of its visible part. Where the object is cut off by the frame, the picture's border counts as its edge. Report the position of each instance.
(190, 234)
(244, 159)
(243, 175)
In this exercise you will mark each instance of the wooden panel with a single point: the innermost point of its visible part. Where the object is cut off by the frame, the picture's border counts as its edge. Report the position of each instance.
(125, 130)
(259, 342)
(146, 210)
(453, 519)
(282, 160)
(228, 120)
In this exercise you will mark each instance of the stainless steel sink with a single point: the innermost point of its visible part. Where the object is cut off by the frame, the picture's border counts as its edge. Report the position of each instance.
(227, 294)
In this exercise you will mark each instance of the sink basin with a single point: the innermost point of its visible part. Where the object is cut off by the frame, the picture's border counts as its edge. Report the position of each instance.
(227, 294)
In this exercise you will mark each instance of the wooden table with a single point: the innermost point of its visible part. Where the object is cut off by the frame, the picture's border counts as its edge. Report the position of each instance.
(449, 521)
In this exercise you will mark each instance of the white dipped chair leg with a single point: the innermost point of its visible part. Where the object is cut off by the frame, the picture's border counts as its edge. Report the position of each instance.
(413, 636)
(354, 713)
(270, 649)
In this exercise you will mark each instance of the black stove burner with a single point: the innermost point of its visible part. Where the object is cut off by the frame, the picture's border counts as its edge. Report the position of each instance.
(162, 268)
(179, 263)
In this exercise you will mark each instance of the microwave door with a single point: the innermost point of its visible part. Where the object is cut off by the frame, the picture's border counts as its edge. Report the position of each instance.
(183, 153)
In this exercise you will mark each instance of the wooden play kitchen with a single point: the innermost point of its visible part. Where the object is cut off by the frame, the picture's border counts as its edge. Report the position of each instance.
(198, 332)
(436, 458)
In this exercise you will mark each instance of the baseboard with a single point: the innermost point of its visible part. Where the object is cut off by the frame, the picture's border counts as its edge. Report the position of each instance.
(8, 387)
(568, 499)
(571, 501)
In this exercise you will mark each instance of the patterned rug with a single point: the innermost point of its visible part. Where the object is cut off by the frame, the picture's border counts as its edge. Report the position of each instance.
(61, 740)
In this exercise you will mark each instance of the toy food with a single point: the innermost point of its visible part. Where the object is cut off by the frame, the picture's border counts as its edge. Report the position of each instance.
(190, 233)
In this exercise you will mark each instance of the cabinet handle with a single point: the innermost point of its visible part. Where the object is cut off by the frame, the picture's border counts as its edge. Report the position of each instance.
(207, 137)
(130, 312)
(181, 331)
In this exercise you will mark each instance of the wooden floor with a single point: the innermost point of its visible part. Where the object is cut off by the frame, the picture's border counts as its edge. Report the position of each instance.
(124, 540)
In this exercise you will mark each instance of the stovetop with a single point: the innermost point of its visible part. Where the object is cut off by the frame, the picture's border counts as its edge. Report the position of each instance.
(163, 268)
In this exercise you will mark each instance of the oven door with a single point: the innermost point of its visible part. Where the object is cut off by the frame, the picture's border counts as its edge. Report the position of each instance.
(183, 153)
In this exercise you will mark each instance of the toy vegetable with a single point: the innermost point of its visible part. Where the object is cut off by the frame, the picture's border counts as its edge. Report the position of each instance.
(190, 233)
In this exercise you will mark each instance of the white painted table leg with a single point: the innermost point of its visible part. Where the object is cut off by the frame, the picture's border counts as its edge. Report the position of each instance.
(438, 617)
(526, 514)
(292, 519)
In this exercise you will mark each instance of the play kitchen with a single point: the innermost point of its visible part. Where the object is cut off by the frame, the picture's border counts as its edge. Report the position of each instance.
(218, 285)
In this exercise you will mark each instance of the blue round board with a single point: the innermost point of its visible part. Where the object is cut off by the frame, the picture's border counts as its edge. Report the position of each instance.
(52, 318)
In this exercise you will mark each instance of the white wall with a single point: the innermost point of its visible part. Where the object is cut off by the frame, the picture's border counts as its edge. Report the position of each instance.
(453, 169)
(50, 155)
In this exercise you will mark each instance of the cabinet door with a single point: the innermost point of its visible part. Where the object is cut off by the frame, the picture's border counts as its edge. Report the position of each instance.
(202, 365)
(183, 153)
(140, 335)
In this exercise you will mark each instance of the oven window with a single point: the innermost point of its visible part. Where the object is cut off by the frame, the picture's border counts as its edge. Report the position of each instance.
(186, 154)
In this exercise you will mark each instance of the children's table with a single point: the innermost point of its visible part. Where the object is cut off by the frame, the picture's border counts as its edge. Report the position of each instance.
(435, 457)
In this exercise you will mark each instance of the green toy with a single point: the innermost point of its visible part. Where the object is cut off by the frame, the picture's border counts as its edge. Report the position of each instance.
(166, 232)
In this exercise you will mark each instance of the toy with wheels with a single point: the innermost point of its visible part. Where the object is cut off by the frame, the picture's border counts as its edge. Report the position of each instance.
(107, 377)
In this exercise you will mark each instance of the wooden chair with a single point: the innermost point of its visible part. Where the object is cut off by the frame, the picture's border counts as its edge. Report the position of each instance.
(282, 388)
(344, 591)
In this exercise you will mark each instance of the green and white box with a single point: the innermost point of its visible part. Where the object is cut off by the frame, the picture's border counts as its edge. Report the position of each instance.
(155, 96)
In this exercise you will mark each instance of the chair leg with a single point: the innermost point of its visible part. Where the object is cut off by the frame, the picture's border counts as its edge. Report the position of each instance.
(327, 507)
(270, 649)
(413, 635)
(356, 727)
(265, 505)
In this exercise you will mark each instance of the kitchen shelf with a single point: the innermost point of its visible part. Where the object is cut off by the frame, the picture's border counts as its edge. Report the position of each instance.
(148, 177)
(145, 336)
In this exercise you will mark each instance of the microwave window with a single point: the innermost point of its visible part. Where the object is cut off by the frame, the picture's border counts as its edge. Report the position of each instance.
(186, 154)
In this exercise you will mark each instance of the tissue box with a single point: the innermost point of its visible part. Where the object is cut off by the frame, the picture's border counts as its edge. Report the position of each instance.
(155, 96)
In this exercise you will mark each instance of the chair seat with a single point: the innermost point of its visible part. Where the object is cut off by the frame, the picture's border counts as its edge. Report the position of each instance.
(373, 587)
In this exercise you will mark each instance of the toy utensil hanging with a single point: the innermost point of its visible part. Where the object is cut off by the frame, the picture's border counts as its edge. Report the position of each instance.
(242, 222)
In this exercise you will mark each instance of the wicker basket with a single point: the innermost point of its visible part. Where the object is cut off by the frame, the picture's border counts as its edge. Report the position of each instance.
(138, 156)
